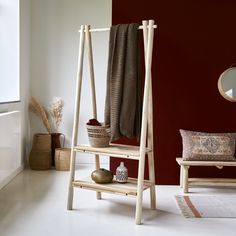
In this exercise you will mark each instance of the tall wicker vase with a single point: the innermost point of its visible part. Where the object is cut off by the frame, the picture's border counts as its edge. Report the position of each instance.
(40, 154)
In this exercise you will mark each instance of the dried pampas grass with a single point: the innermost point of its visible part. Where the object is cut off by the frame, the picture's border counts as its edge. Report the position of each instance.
(41, 112)
(55, 111)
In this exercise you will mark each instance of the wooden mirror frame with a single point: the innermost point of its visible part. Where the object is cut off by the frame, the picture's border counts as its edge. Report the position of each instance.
(220, 88)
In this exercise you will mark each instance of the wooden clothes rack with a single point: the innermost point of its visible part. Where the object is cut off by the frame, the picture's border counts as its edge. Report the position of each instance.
(134, 187)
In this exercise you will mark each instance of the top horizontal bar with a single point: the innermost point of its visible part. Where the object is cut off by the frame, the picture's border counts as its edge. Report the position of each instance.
(108, 29)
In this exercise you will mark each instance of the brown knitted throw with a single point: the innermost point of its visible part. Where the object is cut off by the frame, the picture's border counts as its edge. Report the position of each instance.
(123, 96)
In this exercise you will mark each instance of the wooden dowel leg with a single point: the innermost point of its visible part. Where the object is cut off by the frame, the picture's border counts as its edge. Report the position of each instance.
(97, 163)
(76, 118)
(92, 83)
(143, 139)
(91, 70)
(151, 164)
(139, 200)
(152, 179)
(181, 177)
(71, 189)
(185, 179)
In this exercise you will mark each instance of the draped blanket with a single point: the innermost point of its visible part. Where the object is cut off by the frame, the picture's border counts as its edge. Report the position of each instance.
(123, 96)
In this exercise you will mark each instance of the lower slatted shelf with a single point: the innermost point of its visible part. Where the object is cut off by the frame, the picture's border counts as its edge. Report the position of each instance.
(128, 189)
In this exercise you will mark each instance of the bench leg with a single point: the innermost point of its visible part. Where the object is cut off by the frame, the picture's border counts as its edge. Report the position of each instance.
(185, 179)
(181, 177)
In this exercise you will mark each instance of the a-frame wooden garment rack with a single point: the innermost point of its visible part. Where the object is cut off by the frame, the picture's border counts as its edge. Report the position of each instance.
(134, 187)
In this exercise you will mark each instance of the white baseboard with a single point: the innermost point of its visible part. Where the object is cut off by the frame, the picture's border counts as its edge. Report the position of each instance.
(12, 175)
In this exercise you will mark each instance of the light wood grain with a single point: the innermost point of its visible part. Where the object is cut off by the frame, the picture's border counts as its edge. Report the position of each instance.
(91, 70)
(148, 63)
(124, 151)
(129, 188)
(108, 29)
(181, 176)
(185, 181)
(226, 182)
(205, 163)
(92, 83)
(76, 117)
(151, 163)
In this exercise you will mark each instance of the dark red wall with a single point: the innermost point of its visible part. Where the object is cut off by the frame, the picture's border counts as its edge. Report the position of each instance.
(194, 43)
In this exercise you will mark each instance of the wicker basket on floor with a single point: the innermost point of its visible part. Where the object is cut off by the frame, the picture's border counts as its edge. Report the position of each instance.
(41, 142)
(40, 159)
(62, 158)
(99, 136)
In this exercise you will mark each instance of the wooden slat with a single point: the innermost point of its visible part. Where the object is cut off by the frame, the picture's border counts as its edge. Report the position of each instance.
(205, 163)
(212, 182)
(129, 188)
(114, 150)
(108, 29)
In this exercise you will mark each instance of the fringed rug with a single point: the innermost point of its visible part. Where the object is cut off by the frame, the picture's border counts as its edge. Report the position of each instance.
(207, 206)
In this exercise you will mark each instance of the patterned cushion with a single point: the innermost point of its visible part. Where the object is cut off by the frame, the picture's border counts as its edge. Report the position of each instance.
(208, 146)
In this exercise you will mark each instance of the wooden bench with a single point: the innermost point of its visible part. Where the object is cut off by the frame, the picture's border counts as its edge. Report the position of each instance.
(185, 181)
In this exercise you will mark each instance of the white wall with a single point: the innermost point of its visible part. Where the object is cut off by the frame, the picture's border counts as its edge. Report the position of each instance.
(9, 50)
(24, 70)
(54, 52)
(24, 73)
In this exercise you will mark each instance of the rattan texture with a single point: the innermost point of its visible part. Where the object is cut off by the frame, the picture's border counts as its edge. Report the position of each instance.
(99, 136)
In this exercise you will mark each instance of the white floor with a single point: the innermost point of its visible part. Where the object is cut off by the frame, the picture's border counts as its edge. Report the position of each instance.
(34, 204)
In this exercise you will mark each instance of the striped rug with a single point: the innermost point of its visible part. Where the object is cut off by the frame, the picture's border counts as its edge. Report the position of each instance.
(207, 206)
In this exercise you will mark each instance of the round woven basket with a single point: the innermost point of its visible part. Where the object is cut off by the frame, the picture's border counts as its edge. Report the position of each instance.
(99, 136)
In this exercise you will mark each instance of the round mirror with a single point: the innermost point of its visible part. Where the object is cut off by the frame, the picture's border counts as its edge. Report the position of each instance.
(227, 84)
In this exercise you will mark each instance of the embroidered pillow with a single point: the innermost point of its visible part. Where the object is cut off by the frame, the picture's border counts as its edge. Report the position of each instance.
(208, 146)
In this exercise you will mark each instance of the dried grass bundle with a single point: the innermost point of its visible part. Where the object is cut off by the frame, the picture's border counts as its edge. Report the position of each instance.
(41, 112)
(55, 110)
